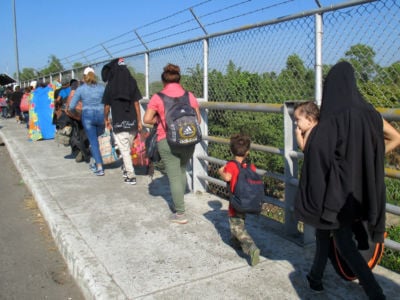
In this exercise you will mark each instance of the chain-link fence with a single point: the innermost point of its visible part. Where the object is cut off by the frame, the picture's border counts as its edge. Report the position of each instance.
(271, 63)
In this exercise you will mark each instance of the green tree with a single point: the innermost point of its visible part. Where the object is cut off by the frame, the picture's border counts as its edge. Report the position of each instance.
(194, 80)
(362, 58)
(77, 65)
(295, 82)
(27, 74)
(54, 66)
(140, 79)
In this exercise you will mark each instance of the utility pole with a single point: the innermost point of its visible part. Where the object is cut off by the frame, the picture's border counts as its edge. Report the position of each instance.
(16, 41)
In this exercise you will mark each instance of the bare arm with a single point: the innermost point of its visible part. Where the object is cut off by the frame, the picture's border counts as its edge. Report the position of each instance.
(138, 116)
(106, 114)
(150, 116)
(225, 176)
(198, 115)
(391, 135)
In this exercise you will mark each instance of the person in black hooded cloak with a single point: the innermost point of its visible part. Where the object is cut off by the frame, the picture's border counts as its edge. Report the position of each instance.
(342, 178)
(122, 96)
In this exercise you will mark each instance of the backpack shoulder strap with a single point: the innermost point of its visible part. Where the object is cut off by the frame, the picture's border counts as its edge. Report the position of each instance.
(161, 95)
(184, 97)
(239, 166)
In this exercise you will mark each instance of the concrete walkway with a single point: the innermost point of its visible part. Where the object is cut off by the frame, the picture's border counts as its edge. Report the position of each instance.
(119, 244)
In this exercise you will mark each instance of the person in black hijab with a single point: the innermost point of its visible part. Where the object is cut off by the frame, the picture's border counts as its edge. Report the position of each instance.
(342, 178)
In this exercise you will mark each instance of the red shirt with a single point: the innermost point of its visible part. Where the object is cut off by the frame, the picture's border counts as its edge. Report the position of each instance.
(232, 169)
(156, 103)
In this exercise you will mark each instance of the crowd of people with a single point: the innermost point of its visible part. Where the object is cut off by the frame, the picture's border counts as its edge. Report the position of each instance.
(343, 139)
(11, 102)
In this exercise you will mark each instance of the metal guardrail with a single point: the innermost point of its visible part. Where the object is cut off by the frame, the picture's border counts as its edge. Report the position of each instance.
(290, 181)
(288, 50)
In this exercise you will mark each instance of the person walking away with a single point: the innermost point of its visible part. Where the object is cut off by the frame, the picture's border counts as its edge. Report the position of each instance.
(91, 94)
(80, 146)
(63, 93)
(122, 96)
(25, 105)
(240, 148)
(6, 110)
(322, 236)
(16, 102)
(349, 140)
(175, 158)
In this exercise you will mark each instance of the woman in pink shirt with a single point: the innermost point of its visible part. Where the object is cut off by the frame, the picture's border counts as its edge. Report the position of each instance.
(175, 158)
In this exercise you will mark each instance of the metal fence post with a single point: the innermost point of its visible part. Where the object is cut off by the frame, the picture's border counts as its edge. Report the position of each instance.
(318, 58)
(291, 167)
(200, 167)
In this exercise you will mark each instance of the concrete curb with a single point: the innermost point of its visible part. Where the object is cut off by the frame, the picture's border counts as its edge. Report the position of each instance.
(90, 274)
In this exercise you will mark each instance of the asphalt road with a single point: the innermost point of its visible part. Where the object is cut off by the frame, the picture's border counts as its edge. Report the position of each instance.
(30, 265)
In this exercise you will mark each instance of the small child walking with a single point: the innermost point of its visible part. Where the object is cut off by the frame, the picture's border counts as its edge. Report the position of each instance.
(240, 148)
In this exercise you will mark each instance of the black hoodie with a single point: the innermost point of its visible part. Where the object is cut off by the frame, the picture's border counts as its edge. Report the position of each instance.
(342, 179)
(120, 93)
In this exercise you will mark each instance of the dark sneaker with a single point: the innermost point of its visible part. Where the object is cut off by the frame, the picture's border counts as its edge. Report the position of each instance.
(178, 218)
(130, 180)
(69, 156)
(99, 172)
(254, 256)
(315, 285)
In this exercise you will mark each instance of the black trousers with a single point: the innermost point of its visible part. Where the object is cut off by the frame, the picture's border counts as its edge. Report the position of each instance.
(349, 251)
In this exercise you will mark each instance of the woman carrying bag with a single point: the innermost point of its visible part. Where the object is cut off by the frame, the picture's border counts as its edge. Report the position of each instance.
(175, 158)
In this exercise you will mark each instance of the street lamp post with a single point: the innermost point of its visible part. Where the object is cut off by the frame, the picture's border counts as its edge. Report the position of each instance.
(16, 41)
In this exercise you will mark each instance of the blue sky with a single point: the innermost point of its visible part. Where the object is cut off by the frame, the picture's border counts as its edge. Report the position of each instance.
(65, 28)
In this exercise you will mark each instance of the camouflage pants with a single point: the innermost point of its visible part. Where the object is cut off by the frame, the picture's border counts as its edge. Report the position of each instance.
(239, 233)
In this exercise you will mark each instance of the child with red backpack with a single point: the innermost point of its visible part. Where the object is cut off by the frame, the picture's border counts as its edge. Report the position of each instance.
(240, 147)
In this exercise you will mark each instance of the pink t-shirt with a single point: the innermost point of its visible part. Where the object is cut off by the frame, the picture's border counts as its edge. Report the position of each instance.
(156, 103)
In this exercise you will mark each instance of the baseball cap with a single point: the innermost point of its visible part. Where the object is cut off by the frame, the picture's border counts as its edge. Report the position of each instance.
(88, 70)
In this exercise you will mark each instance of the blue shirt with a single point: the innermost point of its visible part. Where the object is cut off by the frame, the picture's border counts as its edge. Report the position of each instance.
(90, 95)
(64, 93)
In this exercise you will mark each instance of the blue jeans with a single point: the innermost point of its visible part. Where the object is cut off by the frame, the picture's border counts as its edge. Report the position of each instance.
(93, 123)
(26, 118)
(4, 111)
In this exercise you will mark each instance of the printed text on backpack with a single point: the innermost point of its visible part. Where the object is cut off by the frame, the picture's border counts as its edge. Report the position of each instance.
(182, 126)
(249, 193)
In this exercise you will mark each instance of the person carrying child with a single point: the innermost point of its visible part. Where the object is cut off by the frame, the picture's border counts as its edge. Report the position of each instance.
(351, 138)
(306, 116)
(240, 147)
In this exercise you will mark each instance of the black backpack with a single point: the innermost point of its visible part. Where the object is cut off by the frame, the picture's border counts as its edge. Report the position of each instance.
(182, 126)
(248, 194)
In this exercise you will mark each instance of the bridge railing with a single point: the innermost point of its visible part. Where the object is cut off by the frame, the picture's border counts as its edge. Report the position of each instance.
(200, 178)
(247, 73)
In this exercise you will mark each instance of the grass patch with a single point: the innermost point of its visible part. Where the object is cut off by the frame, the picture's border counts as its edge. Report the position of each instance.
(391, 258)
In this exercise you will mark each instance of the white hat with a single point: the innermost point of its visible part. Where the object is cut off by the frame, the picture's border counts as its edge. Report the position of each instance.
(33, 83)
(88, 70)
